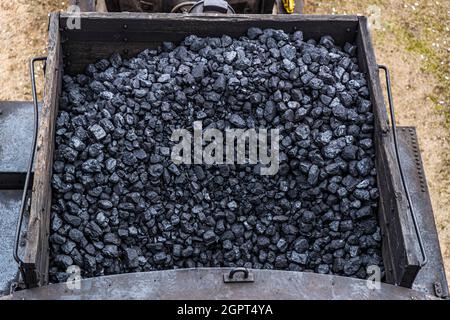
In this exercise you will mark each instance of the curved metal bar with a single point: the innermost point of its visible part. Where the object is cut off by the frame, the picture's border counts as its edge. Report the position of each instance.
(30, 165)
(236, 270)
(397, 155)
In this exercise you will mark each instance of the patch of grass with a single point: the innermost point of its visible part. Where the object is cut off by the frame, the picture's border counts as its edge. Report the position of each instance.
(432, 63)
(443, 109)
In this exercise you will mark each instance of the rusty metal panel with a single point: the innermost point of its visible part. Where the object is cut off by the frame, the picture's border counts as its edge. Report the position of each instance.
(431, 277)
(207, 283)
(10, 201)
(16, 131)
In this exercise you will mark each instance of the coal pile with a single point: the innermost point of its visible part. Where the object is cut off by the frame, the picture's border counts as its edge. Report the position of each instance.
(121, 205)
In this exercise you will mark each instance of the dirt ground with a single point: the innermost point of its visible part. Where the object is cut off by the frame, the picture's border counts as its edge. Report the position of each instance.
(411, 37)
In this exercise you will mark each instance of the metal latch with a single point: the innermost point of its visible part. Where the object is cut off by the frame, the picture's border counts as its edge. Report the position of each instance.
(238, 275)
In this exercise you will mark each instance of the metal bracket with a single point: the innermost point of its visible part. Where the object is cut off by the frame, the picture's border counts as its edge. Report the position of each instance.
(438, 290)
(245, 276)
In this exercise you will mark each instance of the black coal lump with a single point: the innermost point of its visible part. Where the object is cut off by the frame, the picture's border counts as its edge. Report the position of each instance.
(121, 205)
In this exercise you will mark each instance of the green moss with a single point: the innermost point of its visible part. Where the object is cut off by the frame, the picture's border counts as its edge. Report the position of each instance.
(441, 109)
(420, 47)
(432, 64)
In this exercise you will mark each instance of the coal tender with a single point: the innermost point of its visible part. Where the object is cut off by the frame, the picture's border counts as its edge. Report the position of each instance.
(121, 204)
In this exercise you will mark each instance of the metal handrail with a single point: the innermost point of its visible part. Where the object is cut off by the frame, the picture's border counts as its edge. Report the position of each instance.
(18, 259)
(397, 155)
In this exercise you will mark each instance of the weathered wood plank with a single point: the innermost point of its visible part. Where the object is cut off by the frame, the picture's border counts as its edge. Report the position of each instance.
(130, 33)
(139, 26)
(400, 249)
(36, 252)
(208, 17)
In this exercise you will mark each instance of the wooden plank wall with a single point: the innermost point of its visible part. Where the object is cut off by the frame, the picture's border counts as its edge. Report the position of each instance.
(36, 252)
(102, 34)
(400, 244)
